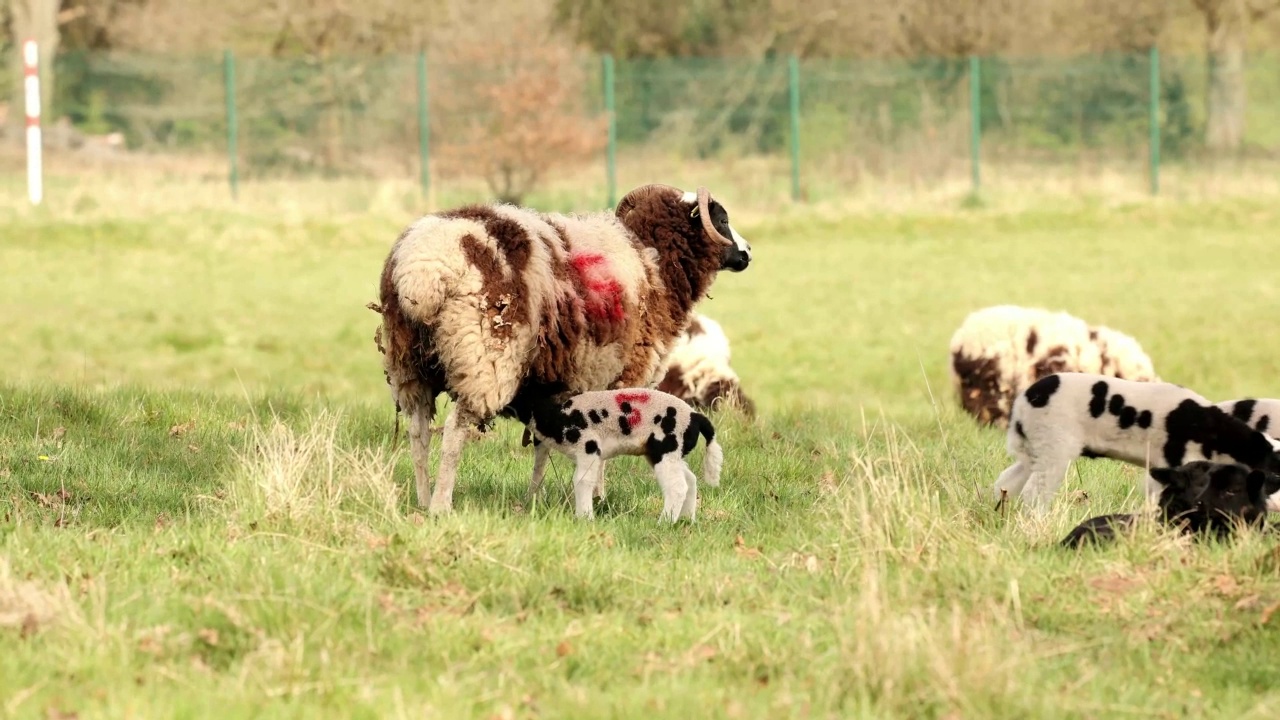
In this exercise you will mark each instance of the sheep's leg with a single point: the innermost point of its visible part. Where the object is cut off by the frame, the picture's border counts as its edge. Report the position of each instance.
(420, 450)
(540, 455)
(1046, 477)
(1013, 479)
(690, 505)
(598, 492)
(583, 484)
(670, 473)
(456, 428)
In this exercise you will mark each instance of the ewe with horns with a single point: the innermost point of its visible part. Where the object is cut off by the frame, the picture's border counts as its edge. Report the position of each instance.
(500, 306)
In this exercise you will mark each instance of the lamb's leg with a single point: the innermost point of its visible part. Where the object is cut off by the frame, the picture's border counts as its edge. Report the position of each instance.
(420, 451)
(1012, 480)
(1047, 474)
(540, 455)
(583, 484)
(670, 475)
(456, 428)
(599, 483)
(690, 505)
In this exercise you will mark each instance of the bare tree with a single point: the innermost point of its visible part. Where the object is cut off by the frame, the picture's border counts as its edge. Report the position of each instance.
(1227, 23)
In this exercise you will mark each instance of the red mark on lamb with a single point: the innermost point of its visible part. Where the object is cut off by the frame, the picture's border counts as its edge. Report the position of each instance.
(633, 401)
(604, 294)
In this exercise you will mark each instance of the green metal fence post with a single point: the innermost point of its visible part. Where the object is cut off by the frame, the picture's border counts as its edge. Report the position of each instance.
(229, 73)
(1155, 120)
(611, 150)
(793, 83)
(424, 127)
(975, 119)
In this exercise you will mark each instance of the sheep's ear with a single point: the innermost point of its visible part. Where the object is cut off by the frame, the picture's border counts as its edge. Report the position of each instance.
(1255, 484)
(1270, 483)
(1165, 476)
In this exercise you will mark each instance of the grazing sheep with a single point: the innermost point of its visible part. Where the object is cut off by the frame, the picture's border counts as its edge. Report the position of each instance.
(1000, 350)
(499, 306)
(1068, 415)
(1196, 498)
(697, 370)
(595, 426)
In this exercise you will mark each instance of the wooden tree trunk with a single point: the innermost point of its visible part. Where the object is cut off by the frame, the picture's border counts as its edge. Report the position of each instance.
(1225, 100)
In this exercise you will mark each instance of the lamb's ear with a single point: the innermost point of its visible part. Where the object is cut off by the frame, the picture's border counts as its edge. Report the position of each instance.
(1255, 485)
(1165, 476)
(1270, 483)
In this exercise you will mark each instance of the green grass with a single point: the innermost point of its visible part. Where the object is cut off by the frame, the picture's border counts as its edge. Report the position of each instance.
(205, 512)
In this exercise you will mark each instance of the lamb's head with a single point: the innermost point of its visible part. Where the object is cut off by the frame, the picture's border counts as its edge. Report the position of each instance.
(1215, 497)
(694, 219)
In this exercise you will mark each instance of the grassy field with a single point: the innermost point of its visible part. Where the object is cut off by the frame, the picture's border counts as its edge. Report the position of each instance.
(205, 512)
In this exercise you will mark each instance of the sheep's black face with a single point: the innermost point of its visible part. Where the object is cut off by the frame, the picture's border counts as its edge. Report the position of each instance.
(1214, 497)
(736, 255)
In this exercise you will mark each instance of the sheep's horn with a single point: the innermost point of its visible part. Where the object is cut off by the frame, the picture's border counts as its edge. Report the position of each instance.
(633, 198)
(704, 201)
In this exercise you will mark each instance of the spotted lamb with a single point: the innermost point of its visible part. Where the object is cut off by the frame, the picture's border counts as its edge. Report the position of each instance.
(999, 351)
(1151, 424)
(1261, 414)
(1198, 498)
(500, 306)
(697, 370)
(593, 427)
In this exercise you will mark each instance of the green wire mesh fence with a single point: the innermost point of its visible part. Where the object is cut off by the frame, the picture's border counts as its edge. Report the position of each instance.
(795, 128)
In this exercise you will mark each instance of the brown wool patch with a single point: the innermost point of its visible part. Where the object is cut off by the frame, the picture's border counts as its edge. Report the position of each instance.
(980, 387)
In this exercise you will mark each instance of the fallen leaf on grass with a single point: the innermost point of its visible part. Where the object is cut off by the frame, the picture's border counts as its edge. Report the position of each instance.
(563, 649)
(1268, 611)
(1246, 603)
(1226, 585)
(180, 430)
(208, 636)
(740, 546)
(1114, 584)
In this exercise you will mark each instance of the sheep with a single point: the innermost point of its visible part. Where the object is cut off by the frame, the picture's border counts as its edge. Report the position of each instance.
(999, 350)
(498, 306)
(1196, 498)
(697, 370)
(1155, 424)
(1261, 414)
(593, 427)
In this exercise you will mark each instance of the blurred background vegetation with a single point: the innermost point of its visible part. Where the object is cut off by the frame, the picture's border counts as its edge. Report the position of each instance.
(515, 89)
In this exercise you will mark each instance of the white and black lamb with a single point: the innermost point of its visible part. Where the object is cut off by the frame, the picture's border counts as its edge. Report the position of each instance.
(1261, 414)
(593, 427)
(999, 351)
(697, 369)
(499, 306)
(1150, 424)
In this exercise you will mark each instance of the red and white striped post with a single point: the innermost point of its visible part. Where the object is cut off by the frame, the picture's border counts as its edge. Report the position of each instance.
(31, 84)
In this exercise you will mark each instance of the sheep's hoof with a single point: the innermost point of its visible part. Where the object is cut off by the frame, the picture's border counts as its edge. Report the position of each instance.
(1004, 495)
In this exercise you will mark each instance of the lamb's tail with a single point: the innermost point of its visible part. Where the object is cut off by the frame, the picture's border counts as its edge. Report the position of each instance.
(714, 459)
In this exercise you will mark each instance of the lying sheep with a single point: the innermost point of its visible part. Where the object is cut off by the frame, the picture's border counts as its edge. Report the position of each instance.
(999, 351)
(1197, 498)
(500, 307)
(593, 427)
(697, 370)
(1068, 415)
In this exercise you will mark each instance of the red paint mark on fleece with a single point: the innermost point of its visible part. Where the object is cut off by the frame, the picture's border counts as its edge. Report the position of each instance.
(604, 294)
(636, 399)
